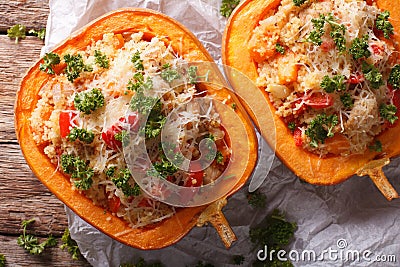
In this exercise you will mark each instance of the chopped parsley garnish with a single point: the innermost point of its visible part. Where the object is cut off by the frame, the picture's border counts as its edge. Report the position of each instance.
(227, 6)
(337, 31)
(164, 167)
(275, 232)
(321, 128)
(122, 182)
(388, 112)
(70, 244)
(279, 48)
(123, 137)
(87, 102)
(82, 135)
(382, 23)
(169, 75)
(315, 35)
(31, 243)
(299, 2)
(75, 66)
(219, 158)
(372, 74)
(256, 199)
(110, 172)
(41, 33)
(359, 48)
(376, 146)
(394, 77)
(346, 100)
(17, 31)
(292, 126)
(330, 85)
(49, 61)
(137, 62)
(79, 171)
(193, 77)
(101, 59)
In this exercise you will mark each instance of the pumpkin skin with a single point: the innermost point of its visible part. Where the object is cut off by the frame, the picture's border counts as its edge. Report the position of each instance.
(307, 166)
(186, 45)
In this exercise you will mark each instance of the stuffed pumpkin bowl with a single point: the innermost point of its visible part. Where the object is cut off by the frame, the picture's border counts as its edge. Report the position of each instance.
(329, 73)
(114, 84)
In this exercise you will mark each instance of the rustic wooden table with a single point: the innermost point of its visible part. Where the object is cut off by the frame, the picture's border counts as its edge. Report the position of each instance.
(22, 196)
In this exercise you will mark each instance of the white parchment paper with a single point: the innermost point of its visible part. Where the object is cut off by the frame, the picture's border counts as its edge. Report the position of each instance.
(352, 218)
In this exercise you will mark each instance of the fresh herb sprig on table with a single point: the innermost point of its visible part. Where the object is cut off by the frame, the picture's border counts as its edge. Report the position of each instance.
(31, 243)
(2, 260)
(70, 244)
(88, 101)
(17, 31)
(256, 199)
(276, 233)
(227, 6)
(41, 33)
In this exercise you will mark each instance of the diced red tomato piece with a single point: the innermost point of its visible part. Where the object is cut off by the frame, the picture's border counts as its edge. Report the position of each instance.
(114, 203)
(65, 122)
(318, 100)
(377, 49)
(109, 135)
(144, 203)
(356, 78)
(196, 175)
(327, 45)
(298, 140)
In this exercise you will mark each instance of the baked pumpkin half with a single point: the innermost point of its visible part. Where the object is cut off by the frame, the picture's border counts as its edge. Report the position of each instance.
(328, 71)
(119, 78)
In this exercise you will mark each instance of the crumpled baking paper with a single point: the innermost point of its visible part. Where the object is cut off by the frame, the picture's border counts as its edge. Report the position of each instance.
(350, 224)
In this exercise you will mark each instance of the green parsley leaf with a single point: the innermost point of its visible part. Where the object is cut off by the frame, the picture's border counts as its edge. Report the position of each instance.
(346, 100)
(275, 232)
(388, 112)
(219, 158)
(321, 128)
(75, 66)
(228, 6)
(299, 2)
(376, 146)
(2, 260)
(31, 243)
(169, 75)
(101, 59)
(110, 172)
(337, 33)
(372, 74)
(79, 171)
(123, 137)
(382, 23)
(193, 77)
(394, 77)
(279, 48)
(70, 244)
(41, 33)
(49, 61)
(82, 135)
(17, 31)
(359, 48)
(89, 101)
(256, 199)
(315, 35)
(330, 85)
(292, 126)
(137, 62)
(122, 182)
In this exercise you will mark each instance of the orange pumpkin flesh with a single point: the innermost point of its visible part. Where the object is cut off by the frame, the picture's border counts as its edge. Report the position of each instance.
(185, 44)
(309, 167)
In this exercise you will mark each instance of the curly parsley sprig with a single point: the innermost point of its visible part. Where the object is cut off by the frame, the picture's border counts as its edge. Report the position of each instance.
(228, 6)
(382, 23)
(122, 183)
(31, 243)
(75, 66)
(70, 245)
(49, 61)
(79, 171)
(88, 101)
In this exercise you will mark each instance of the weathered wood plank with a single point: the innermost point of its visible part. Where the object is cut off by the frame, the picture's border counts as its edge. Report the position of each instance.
(16, 59)
(31, 13)
(16, 256)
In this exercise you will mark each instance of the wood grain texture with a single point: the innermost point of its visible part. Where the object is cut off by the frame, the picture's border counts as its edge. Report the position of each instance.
(22, 196)
(31, 13)
(55, 257)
